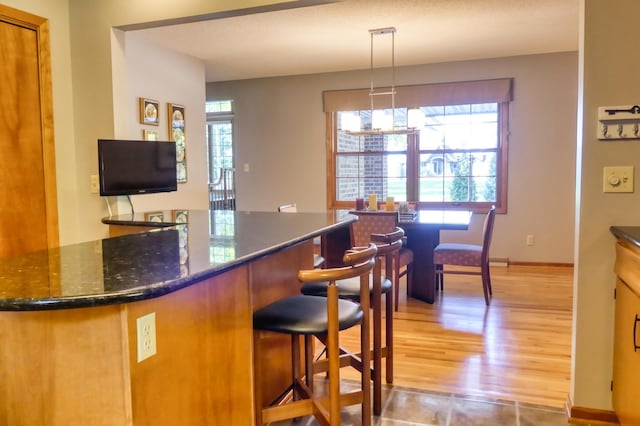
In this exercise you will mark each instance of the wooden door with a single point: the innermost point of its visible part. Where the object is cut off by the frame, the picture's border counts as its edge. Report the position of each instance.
(28, 206)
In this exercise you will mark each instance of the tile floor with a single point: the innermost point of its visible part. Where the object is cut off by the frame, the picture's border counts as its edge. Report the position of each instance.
(409, 407)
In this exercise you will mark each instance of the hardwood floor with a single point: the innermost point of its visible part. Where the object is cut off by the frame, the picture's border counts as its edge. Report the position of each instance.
(517, 349)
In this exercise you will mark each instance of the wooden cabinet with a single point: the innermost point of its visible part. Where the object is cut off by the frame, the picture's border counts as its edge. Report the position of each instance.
(626, 368)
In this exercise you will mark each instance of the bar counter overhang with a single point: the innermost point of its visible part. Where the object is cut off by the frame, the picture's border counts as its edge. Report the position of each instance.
(68, 320)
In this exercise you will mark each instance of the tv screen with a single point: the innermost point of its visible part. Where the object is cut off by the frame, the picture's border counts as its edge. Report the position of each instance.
(129, 167)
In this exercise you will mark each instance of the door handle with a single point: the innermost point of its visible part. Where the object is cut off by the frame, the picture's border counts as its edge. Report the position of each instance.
(635, 326)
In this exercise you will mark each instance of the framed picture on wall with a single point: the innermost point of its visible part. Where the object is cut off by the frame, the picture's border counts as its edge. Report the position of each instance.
(180, 216)
(149, 111)
(150, 135)
(176, 114)
(154, 216)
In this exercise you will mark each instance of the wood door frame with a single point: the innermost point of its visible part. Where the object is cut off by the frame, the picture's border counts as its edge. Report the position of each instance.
(41, 27)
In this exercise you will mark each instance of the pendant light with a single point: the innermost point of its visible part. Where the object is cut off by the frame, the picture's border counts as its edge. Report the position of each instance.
(382, 122)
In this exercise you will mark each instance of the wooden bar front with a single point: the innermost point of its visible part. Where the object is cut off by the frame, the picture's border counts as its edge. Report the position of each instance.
(79, 366)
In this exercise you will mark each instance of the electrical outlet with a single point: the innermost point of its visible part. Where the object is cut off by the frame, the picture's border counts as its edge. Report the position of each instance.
(95, 184)
(531, 240)
(146, 326)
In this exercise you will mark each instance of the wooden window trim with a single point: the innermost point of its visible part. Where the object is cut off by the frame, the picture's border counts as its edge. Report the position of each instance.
(501, 177)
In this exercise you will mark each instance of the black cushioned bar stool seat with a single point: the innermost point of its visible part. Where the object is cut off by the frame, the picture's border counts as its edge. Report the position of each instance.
(305, 315)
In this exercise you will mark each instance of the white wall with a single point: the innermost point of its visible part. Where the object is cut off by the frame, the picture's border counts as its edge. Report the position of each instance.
(97, 96)
(168, 77)
(609, 69)
(280, 133)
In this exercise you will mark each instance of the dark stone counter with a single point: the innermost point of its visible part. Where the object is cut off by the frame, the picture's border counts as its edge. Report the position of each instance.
(630, 234)
(150, 264)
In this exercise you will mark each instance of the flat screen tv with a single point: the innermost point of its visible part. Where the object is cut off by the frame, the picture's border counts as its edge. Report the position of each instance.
(129, 167)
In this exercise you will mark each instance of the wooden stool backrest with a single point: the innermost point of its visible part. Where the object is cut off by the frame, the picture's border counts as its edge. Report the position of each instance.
(358, 261)
(388, 243)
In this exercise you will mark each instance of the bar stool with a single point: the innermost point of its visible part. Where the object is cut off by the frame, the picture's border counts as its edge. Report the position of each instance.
(323, 318)
(388, 246)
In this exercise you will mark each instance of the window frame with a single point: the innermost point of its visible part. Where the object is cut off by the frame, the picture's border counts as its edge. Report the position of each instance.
(412, 181)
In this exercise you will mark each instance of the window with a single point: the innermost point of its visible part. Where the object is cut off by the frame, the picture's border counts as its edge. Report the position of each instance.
(450, 154)
(220, 154)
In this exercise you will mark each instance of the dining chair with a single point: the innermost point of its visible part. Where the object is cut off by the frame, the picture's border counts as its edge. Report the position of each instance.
(383, 222)
(305, 317)
(467, 255)
(381, 284)
(318, 261)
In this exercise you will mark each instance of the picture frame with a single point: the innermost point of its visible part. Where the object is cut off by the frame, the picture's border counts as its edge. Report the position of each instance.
(154, 217)
(149, 111)
(150, 135)
(180, 216)
(177, 133)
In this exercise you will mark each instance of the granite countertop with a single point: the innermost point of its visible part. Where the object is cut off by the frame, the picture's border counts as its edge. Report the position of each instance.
(150, 264)
(630, 234)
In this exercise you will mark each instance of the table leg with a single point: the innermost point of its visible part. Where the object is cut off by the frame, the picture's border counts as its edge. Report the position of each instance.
(422, 240)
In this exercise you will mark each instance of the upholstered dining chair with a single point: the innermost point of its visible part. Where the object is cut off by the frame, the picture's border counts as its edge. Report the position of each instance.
(383, 222)
(305, 317)
(318, 261)
(467, 255)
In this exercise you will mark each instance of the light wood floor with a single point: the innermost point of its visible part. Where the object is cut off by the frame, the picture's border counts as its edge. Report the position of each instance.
(517, 349)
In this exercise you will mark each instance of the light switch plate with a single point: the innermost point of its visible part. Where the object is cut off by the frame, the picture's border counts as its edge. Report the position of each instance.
(618, 179)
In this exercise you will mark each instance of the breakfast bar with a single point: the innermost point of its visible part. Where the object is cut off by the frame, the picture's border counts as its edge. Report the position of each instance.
(69, 320)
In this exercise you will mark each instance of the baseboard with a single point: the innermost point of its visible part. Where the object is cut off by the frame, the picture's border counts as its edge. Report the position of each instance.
(505, 262)
(521, 263)
(590, 416)
(499, 261)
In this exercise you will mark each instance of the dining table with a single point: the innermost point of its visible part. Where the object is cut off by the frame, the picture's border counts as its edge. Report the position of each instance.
(422, 233)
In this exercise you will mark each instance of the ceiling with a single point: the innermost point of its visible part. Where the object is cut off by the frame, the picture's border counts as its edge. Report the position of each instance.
(334, 36)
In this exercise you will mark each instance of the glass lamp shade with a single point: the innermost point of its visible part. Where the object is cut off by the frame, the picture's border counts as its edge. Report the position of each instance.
(351, 122)
(381, 120)
(415, 118)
